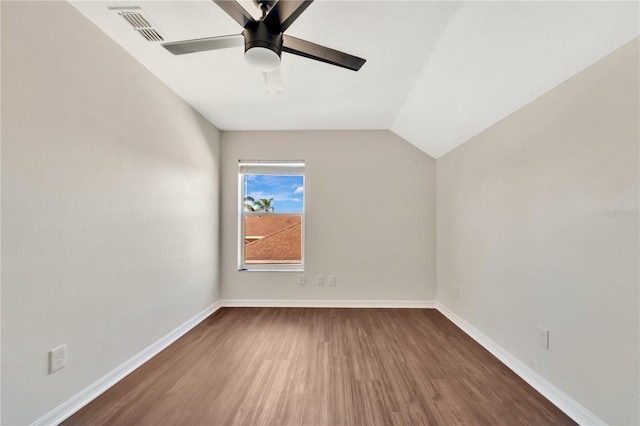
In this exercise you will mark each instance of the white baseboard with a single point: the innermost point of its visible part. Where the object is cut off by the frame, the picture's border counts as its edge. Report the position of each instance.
(290, 303)
(66, 409)
(561, 400)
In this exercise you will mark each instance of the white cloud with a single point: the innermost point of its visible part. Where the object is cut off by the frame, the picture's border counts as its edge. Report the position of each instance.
(299, 190)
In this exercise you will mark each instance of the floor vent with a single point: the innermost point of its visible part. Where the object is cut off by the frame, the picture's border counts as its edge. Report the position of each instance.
(140, 23)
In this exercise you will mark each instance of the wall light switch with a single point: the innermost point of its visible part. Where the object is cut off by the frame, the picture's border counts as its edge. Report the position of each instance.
(320, 280)
(332, 280)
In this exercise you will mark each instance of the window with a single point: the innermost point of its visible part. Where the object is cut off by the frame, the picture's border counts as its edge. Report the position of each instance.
(271, 218)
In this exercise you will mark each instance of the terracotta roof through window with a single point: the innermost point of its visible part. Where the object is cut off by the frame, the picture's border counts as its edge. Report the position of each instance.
(273, 239)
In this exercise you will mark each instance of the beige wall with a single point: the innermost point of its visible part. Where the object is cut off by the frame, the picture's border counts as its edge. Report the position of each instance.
(537, 221)
(109, 207)
(370, 216)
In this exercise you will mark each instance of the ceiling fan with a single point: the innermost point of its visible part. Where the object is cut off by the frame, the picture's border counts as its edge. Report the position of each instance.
(264, 39)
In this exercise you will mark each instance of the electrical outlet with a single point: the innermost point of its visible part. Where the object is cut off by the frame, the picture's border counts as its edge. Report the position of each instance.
(320, 280)
(302, 280)
(332, 280)
(543, 337)
(57, 358)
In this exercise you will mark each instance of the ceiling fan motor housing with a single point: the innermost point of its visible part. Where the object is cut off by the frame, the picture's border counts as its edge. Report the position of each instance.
(257, 34)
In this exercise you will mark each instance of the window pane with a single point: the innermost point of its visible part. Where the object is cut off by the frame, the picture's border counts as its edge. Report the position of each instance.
(271, 216)
(273, 239)
(274, 193)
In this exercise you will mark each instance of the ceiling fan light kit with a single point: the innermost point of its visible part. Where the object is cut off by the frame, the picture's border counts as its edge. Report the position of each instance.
(264, 40)
(262, 58)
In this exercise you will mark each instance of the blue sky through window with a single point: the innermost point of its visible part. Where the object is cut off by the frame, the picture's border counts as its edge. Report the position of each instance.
(287, 191)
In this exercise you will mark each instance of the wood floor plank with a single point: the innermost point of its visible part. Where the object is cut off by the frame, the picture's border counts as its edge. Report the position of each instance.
(301, 366)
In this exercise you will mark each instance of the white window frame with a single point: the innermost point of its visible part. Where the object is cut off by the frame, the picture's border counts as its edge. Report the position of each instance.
(260, 167)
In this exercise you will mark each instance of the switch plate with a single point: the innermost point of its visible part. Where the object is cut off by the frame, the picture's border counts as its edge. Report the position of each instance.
(320, 280)
(332, 280)
(57, 358)
(302, 280)
(543, 337)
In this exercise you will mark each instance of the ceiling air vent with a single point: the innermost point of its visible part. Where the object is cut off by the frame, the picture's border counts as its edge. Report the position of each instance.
(140, 23)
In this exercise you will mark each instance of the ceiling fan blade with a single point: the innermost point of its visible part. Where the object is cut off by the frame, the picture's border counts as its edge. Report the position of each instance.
(321, 53)
(203, 44)
(273, 80)
(284, 13)
(236, 11)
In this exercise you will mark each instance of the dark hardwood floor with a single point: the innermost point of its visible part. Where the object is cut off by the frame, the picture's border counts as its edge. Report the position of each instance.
(294, 366)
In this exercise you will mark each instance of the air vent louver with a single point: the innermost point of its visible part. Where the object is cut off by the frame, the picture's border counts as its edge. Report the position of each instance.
(140, 23)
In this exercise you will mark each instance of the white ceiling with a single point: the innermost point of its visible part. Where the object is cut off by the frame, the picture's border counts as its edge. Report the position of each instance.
(437, 73)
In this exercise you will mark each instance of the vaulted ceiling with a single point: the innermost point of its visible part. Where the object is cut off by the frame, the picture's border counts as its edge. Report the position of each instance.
(437, 73)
